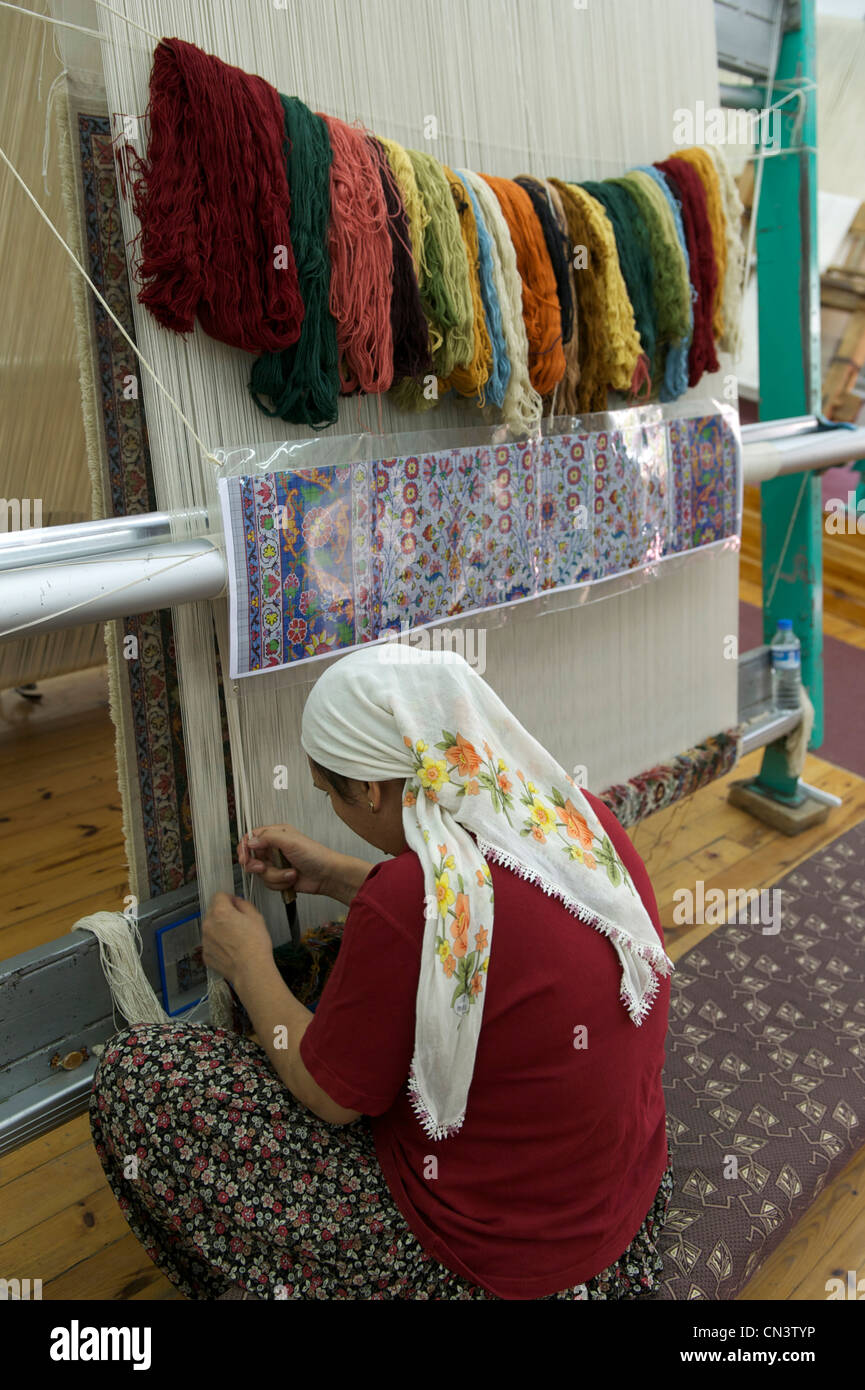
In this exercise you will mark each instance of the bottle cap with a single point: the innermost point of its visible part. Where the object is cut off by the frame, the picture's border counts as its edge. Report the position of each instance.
(786, 623)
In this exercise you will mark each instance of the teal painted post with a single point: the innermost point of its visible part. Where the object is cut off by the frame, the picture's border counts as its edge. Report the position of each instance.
(789, 329)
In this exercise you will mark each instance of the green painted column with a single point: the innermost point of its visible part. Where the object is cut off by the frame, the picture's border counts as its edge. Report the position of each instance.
(789, 328)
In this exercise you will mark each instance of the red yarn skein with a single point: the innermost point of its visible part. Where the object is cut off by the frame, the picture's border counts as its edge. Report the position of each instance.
(213, 202)
(361, 262)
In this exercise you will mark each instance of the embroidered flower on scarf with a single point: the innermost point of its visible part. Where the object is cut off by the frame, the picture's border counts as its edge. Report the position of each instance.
(460, 926)
(574, 826)
(466, 761)
(445, 895)
(458, 962)
(541, 815)
(433, 774)
(464, 756)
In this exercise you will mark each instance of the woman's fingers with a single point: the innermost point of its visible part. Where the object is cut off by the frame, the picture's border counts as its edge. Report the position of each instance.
(283, 857)
(278, 879)
(275, 835)
(256, 858)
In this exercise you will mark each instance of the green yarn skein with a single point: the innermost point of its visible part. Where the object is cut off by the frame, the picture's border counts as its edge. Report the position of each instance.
(302, 382)
(635, 259)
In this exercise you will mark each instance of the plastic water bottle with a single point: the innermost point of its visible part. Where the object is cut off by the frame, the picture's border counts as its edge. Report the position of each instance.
(786, 657)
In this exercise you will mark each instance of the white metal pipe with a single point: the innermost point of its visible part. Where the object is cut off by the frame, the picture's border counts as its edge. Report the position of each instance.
(779, 429)
(817, 794)
(799, 453)
(48, 545)
(65, 576)
(140, 580)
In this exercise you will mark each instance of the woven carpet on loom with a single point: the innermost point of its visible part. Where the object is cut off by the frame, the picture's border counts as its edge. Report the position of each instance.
(145, 700)
(765, 1063)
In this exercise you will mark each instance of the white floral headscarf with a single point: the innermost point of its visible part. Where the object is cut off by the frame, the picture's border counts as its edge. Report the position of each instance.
(390, 711)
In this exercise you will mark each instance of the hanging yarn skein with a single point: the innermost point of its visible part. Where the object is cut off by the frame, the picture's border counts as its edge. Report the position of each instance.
(625, 364)
(734, 280)
(676, 373)
(686, 184)
(213, 201)
(361, 256)
(120, 957)
(589, 299)
(415, 207)
(411, 345)
(541, 309)
(671, 286)
(568, 399)
(471, 380)
(702, 161)
(453, 288)
(445, 288)
(635, 260)
(302, 381)
(557, 248)
(489, 274)
(521, 407)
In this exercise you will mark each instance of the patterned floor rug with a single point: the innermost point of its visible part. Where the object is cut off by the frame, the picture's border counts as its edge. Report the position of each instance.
(765, 1072)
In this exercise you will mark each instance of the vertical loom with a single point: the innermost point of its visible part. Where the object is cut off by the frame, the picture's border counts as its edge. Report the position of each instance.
(557, 91)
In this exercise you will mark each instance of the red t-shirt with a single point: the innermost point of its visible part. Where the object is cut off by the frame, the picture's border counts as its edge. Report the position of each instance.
(562, 1147)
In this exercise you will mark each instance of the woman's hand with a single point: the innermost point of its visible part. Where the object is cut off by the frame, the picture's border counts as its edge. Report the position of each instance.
(234, 937)
(308, 865)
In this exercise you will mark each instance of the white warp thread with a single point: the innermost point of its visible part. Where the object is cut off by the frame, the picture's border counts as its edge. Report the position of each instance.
(120, 956)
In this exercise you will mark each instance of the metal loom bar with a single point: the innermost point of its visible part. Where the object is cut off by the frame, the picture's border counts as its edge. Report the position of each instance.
(125, 565)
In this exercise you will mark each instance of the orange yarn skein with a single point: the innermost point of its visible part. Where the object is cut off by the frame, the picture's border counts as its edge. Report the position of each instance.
(542, 312)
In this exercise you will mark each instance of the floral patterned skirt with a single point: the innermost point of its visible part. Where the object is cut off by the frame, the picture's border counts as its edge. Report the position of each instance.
(227, 1180)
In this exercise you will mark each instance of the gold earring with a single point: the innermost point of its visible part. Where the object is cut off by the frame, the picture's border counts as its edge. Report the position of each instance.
(371, 807)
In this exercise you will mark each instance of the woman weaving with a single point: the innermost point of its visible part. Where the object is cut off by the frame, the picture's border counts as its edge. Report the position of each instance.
(475, 1108)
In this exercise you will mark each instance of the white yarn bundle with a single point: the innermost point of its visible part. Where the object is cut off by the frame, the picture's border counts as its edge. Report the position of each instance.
(120, 956)
(522, 404)
(734, 279)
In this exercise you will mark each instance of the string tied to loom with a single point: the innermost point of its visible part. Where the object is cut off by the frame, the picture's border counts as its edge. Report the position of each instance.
(211, 457)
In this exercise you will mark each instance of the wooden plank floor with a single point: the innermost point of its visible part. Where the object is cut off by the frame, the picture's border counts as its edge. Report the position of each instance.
(59, 1221)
